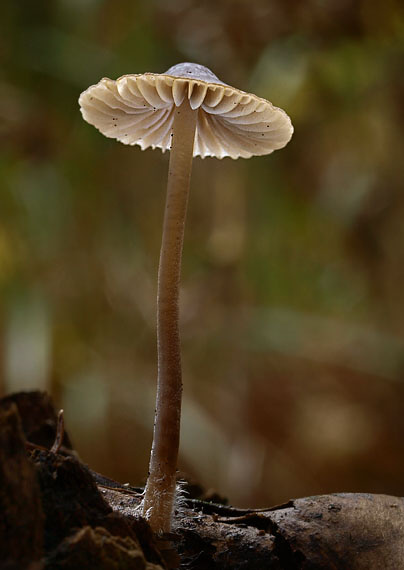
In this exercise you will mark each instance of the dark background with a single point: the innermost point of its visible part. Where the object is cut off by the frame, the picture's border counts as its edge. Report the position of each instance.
(293, 272)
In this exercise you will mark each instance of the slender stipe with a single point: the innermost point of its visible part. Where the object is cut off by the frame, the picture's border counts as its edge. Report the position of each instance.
(161, 483)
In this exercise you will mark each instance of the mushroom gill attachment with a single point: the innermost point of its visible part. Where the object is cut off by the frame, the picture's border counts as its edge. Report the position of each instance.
(138, 109)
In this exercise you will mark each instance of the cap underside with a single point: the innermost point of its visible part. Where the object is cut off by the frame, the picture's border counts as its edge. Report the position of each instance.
(139, 110)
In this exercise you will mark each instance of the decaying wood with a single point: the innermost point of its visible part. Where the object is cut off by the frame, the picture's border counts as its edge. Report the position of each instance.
(340, 531)
(38, 417)
(21, 517)
(57, 513)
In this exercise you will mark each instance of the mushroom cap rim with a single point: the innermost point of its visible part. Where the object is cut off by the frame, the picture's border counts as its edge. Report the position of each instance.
(193, 80)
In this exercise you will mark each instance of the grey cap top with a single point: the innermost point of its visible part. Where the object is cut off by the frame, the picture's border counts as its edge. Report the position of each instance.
(139, 109)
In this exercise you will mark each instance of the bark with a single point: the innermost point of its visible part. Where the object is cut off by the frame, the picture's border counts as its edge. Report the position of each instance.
(21, 518)
(57, 513)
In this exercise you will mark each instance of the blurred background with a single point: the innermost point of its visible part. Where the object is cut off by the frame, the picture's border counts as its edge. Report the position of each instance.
(293, 273)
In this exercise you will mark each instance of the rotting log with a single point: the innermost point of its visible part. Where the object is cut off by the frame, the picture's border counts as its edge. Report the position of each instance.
(57, 513)
(21, 517)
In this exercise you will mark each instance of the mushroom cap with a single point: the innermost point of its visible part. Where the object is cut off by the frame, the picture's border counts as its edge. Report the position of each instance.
(138, 109)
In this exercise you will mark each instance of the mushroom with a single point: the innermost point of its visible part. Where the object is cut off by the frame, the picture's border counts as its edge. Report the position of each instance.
(190, 111)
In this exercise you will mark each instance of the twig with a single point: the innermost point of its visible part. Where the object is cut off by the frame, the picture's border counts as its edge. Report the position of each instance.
(60, 431)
